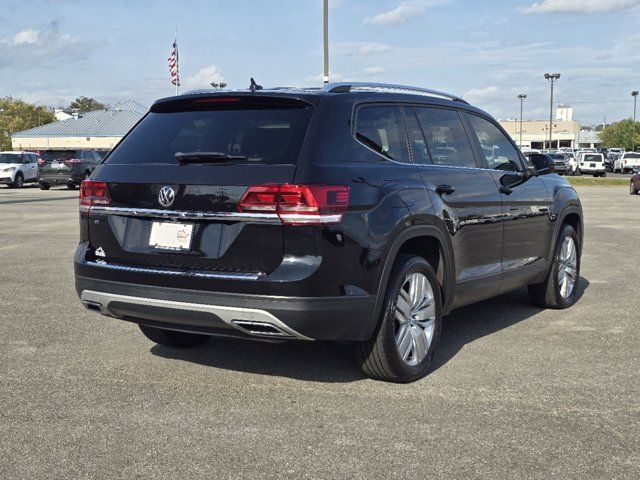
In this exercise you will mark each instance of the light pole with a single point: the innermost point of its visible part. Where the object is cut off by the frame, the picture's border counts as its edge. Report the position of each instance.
(325, 14)
(522, 96)
(551, 78)
(634, 94)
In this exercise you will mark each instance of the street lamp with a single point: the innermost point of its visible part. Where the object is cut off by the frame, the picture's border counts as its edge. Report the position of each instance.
(634, 94)
(551, 78)
(522, 96)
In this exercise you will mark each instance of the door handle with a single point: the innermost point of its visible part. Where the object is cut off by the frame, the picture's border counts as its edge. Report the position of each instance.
(445, 189)
(506, 190)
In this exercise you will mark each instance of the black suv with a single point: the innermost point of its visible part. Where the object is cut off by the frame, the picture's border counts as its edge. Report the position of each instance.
(66, 167)
(359, 212)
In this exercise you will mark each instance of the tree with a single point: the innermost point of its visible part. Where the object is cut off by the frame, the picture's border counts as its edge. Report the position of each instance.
(86, 104)
(16, 115)
(622, 135)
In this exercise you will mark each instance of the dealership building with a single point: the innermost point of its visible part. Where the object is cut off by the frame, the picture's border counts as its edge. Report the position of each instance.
(100, 129)
(565, 132)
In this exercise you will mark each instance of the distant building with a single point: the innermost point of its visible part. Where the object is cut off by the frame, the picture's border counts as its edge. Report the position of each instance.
(101, 129)
(564, 113)
(535, 134)
(61, 114)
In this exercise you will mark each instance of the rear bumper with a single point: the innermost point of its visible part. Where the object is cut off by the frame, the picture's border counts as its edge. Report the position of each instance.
(60, 179)
(239, 315)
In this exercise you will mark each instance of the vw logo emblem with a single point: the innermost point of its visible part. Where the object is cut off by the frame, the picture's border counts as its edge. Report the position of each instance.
(166, 196)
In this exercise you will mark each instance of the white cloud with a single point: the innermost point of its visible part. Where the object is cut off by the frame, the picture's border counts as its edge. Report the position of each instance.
(375, 70)
(580, 6)
(481, 94)
(44, 47)
(359, 49)
(26, 36)
(404, 12)
(203, 78)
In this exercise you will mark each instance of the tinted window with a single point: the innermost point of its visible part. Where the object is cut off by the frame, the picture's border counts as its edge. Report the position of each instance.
(381, 128)
(416, 138)
(592, 158)
(272, 136)
(33, 158)
(59, 155)
(9, 158)
(632, 155)
(496, 147)
(446, 137)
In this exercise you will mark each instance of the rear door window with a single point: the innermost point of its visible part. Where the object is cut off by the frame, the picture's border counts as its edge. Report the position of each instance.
(498, 151)
(261, 136)
(446, 137)
(381, 128)
(59, 155)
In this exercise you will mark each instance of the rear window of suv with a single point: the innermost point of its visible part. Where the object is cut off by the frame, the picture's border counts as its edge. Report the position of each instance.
(261, 135)
(592, 158)
(51, 155)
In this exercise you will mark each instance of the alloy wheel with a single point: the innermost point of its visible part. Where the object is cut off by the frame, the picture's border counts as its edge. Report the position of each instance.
(567, 267)
(415, 318)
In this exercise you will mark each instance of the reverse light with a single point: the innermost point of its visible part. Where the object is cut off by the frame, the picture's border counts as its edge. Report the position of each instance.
(93, 193)
(298, 204)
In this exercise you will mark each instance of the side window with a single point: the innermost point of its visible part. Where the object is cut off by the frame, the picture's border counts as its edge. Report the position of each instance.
(416, 138)
(34, 158)
(496, 147)
(446, 137)
(381, 129)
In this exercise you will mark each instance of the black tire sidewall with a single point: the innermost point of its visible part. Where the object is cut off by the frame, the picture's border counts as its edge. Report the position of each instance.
(18, 183)
(406, 266)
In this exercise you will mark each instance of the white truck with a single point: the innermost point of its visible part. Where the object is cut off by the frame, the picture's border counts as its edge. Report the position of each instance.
(627, 162)
(591, 163)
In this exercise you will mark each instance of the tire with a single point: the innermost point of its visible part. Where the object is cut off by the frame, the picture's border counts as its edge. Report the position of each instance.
(380, 357)
(171, 338)
(632, 189)
(71, 186)
(549, 294)
(18, 182)
(44, 186)
(578, 173)
(603, 174)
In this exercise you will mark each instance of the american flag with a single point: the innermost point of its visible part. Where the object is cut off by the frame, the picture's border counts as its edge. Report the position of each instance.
(173, 64)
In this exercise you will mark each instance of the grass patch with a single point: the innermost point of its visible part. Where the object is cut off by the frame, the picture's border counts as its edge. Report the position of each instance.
(598, 181)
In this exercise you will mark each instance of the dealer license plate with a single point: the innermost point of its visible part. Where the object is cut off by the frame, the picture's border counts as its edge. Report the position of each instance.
(171, 236)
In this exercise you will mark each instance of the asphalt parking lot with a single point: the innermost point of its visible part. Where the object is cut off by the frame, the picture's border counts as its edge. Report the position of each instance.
(516, 392)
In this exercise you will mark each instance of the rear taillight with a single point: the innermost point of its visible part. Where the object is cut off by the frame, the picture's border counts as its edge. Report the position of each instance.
(298, 204)
(41, 161)
(93, 193)
(73, 160)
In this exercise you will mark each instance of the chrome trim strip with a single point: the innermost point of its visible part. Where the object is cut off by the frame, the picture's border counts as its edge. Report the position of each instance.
(226, 314)
(178, 273)
(184, 215)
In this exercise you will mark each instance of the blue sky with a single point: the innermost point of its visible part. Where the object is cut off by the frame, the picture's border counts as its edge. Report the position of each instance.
(488, 51)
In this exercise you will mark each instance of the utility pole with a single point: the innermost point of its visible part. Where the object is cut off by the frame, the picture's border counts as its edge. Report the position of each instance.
(522, 96)
(634, 94)
(326, 40)
(551, 78)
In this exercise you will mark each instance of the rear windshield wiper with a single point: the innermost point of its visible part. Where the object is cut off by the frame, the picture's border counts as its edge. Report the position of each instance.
(206, 157)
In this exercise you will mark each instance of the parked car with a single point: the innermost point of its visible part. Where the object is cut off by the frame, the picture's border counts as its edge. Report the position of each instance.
(615, 151)
(66, 167)
(610, 160)
(634, 184)
(592, 163)
(18, 168)
(627, 162)
(361, 213)
(561, 163)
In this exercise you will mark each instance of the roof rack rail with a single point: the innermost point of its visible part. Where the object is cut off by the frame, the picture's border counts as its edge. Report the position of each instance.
(345, 87)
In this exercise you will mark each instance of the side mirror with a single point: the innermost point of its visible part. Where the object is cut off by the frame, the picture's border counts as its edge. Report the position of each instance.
(542, 164)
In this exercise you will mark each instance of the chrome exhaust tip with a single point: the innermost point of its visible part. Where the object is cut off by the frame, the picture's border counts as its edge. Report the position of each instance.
(262, 329)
